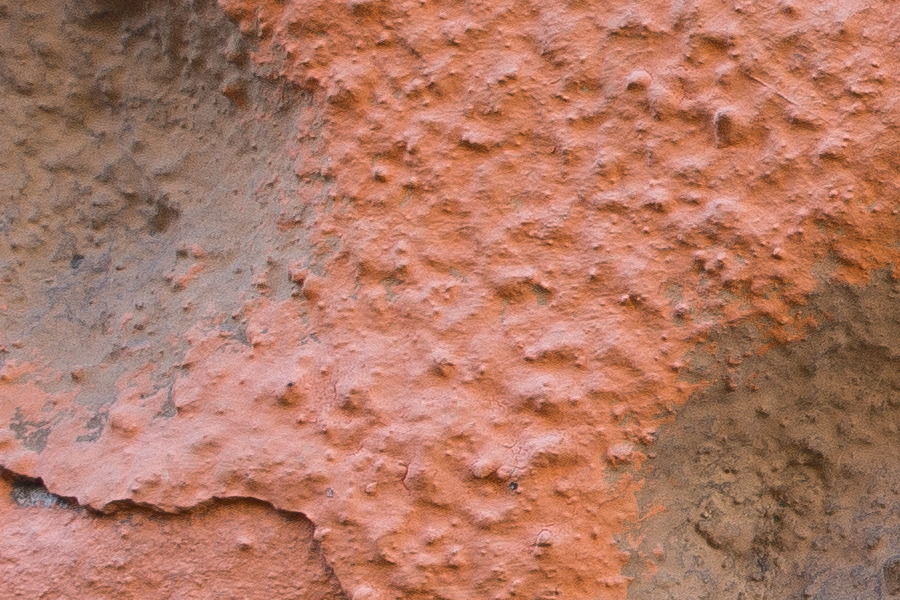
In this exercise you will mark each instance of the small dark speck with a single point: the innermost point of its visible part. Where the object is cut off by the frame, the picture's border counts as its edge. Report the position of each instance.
(290, 384)
(77, 259)
(513, 486)
(329, 492)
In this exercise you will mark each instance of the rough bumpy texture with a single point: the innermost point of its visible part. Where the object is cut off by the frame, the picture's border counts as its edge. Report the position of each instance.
(232, 548)
(424, 272)
(782, 481)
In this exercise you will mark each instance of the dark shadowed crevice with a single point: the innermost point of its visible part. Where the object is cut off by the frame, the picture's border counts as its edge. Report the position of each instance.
(31, 492)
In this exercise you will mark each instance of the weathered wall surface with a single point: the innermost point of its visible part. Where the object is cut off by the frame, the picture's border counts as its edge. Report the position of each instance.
(231, 548)
(426, 277)
(782, 479)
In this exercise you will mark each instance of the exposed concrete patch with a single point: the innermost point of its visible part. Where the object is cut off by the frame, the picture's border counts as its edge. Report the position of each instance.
(138, 141)
(782, 480)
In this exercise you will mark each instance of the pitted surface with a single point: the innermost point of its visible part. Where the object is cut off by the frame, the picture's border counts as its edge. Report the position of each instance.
(424, 272)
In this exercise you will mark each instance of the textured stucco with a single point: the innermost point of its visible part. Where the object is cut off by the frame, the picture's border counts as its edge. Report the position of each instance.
(427, 273)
